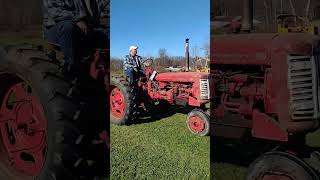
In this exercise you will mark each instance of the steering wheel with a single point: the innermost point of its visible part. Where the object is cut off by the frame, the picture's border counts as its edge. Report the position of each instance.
(147, 62)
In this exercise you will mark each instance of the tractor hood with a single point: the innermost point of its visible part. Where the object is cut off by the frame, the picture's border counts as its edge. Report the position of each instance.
(182, 76)
(257, 49)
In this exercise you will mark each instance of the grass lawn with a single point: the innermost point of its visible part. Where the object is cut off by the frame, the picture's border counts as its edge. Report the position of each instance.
(162, 149)
(224, 171)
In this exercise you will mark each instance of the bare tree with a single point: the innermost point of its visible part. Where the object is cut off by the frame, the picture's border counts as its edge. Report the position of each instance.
(163, 60)
(206, 48)
(307, 8)
(265, 4)
(195, 51)
(116, 65)
(17, 14)
(195, 56)
(292, 7)
(162, 53)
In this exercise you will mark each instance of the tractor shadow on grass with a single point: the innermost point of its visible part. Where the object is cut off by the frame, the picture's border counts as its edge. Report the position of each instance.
(236, 153)
(158, 113)
(243, 155)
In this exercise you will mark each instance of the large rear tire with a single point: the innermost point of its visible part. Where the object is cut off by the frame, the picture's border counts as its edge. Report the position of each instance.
(69, 146)
(123, 102)
(280, 166)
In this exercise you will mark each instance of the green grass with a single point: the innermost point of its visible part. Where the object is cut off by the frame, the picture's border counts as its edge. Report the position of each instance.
(163, 149)
(224, 171)
(313, 139)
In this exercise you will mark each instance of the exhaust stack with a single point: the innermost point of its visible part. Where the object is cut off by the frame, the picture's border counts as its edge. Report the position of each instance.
(187, 55)
(247, 16)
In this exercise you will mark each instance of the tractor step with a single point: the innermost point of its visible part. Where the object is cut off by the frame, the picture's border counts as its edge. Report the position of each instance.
(231, 126)
(227, 131)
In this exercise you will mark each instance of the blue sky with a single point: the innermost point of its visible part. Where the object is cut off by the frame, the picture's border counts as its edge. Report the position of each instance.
(154, 24)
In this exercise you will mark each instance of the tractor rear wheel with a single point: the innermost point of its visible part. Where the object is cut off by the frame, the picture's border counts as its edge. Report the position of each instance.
(123, 102)
(278, 165)
(44, 132)
(198, 122)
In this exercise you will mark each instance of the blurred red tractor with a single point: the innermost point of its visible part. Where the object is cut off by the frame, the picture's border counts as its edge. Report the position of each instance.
(267, 89)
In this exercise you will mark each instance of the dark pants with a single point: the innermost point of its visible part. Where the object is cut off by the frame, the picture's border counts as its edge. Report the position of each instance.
(67, 35)
(133, 75)
(74, 44)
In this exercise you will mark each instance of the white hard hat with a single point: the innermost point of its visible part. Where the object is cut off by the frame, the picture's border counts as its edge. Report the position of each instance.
(132, 47)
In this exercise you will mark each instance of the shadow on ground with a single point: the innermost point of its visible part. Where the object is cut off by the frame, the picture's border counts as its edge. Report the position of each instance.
(159, 112)
(224, 151)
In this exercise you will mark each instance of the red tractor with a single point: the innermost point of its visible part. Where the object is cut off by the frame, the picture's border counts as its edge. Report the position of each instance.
(267, 88)
(180, 88)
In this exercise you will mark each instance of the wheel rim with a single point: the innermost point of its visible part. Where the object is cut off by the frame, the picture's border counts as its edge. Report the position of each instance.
(196, 124)
(271, 176)
(23, 128)
(117, 103)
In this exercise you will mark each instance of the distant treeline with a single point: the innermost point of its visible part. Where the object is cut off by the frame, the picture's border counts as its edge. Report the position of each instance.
(18, 14)
(267, 9)
(116, 64)
(161, 62)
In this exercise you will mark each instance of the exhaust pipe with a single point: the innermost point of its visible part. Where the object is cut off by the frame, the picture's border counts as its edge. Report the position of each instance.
(187, 55)
(247, 17)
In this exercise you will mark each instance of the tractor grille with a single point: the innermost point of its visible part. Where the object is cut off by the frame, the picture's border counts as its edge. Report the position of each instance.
(303, 79)
(204, 89)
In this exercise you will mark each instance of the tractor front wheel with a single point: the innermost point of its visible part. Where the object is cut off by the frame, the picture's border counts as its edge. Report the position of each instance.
(198, 122)
(278, 165)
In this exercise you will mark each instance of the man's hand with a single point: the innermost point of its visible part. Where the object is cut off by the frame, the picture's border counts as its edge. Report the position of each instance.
(83, 27)
(135, 69)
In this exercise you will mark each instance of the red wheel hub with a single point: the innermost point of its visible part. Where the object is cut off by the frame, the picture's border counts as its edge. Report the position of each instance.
(117, 103)
(196, 124)
(23, 129)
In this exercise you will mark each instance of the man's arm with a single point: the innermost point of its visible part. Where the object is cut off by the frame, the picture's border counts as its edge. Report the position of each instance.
(80, 12)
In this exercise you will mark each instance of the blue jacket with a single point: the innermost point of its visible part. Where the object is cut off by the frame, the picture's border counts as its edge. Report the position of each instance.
(130, 62)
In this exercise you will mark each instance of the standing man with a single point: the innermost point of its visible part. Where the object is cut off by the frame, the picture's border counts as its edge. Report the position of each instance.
(132, 64)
